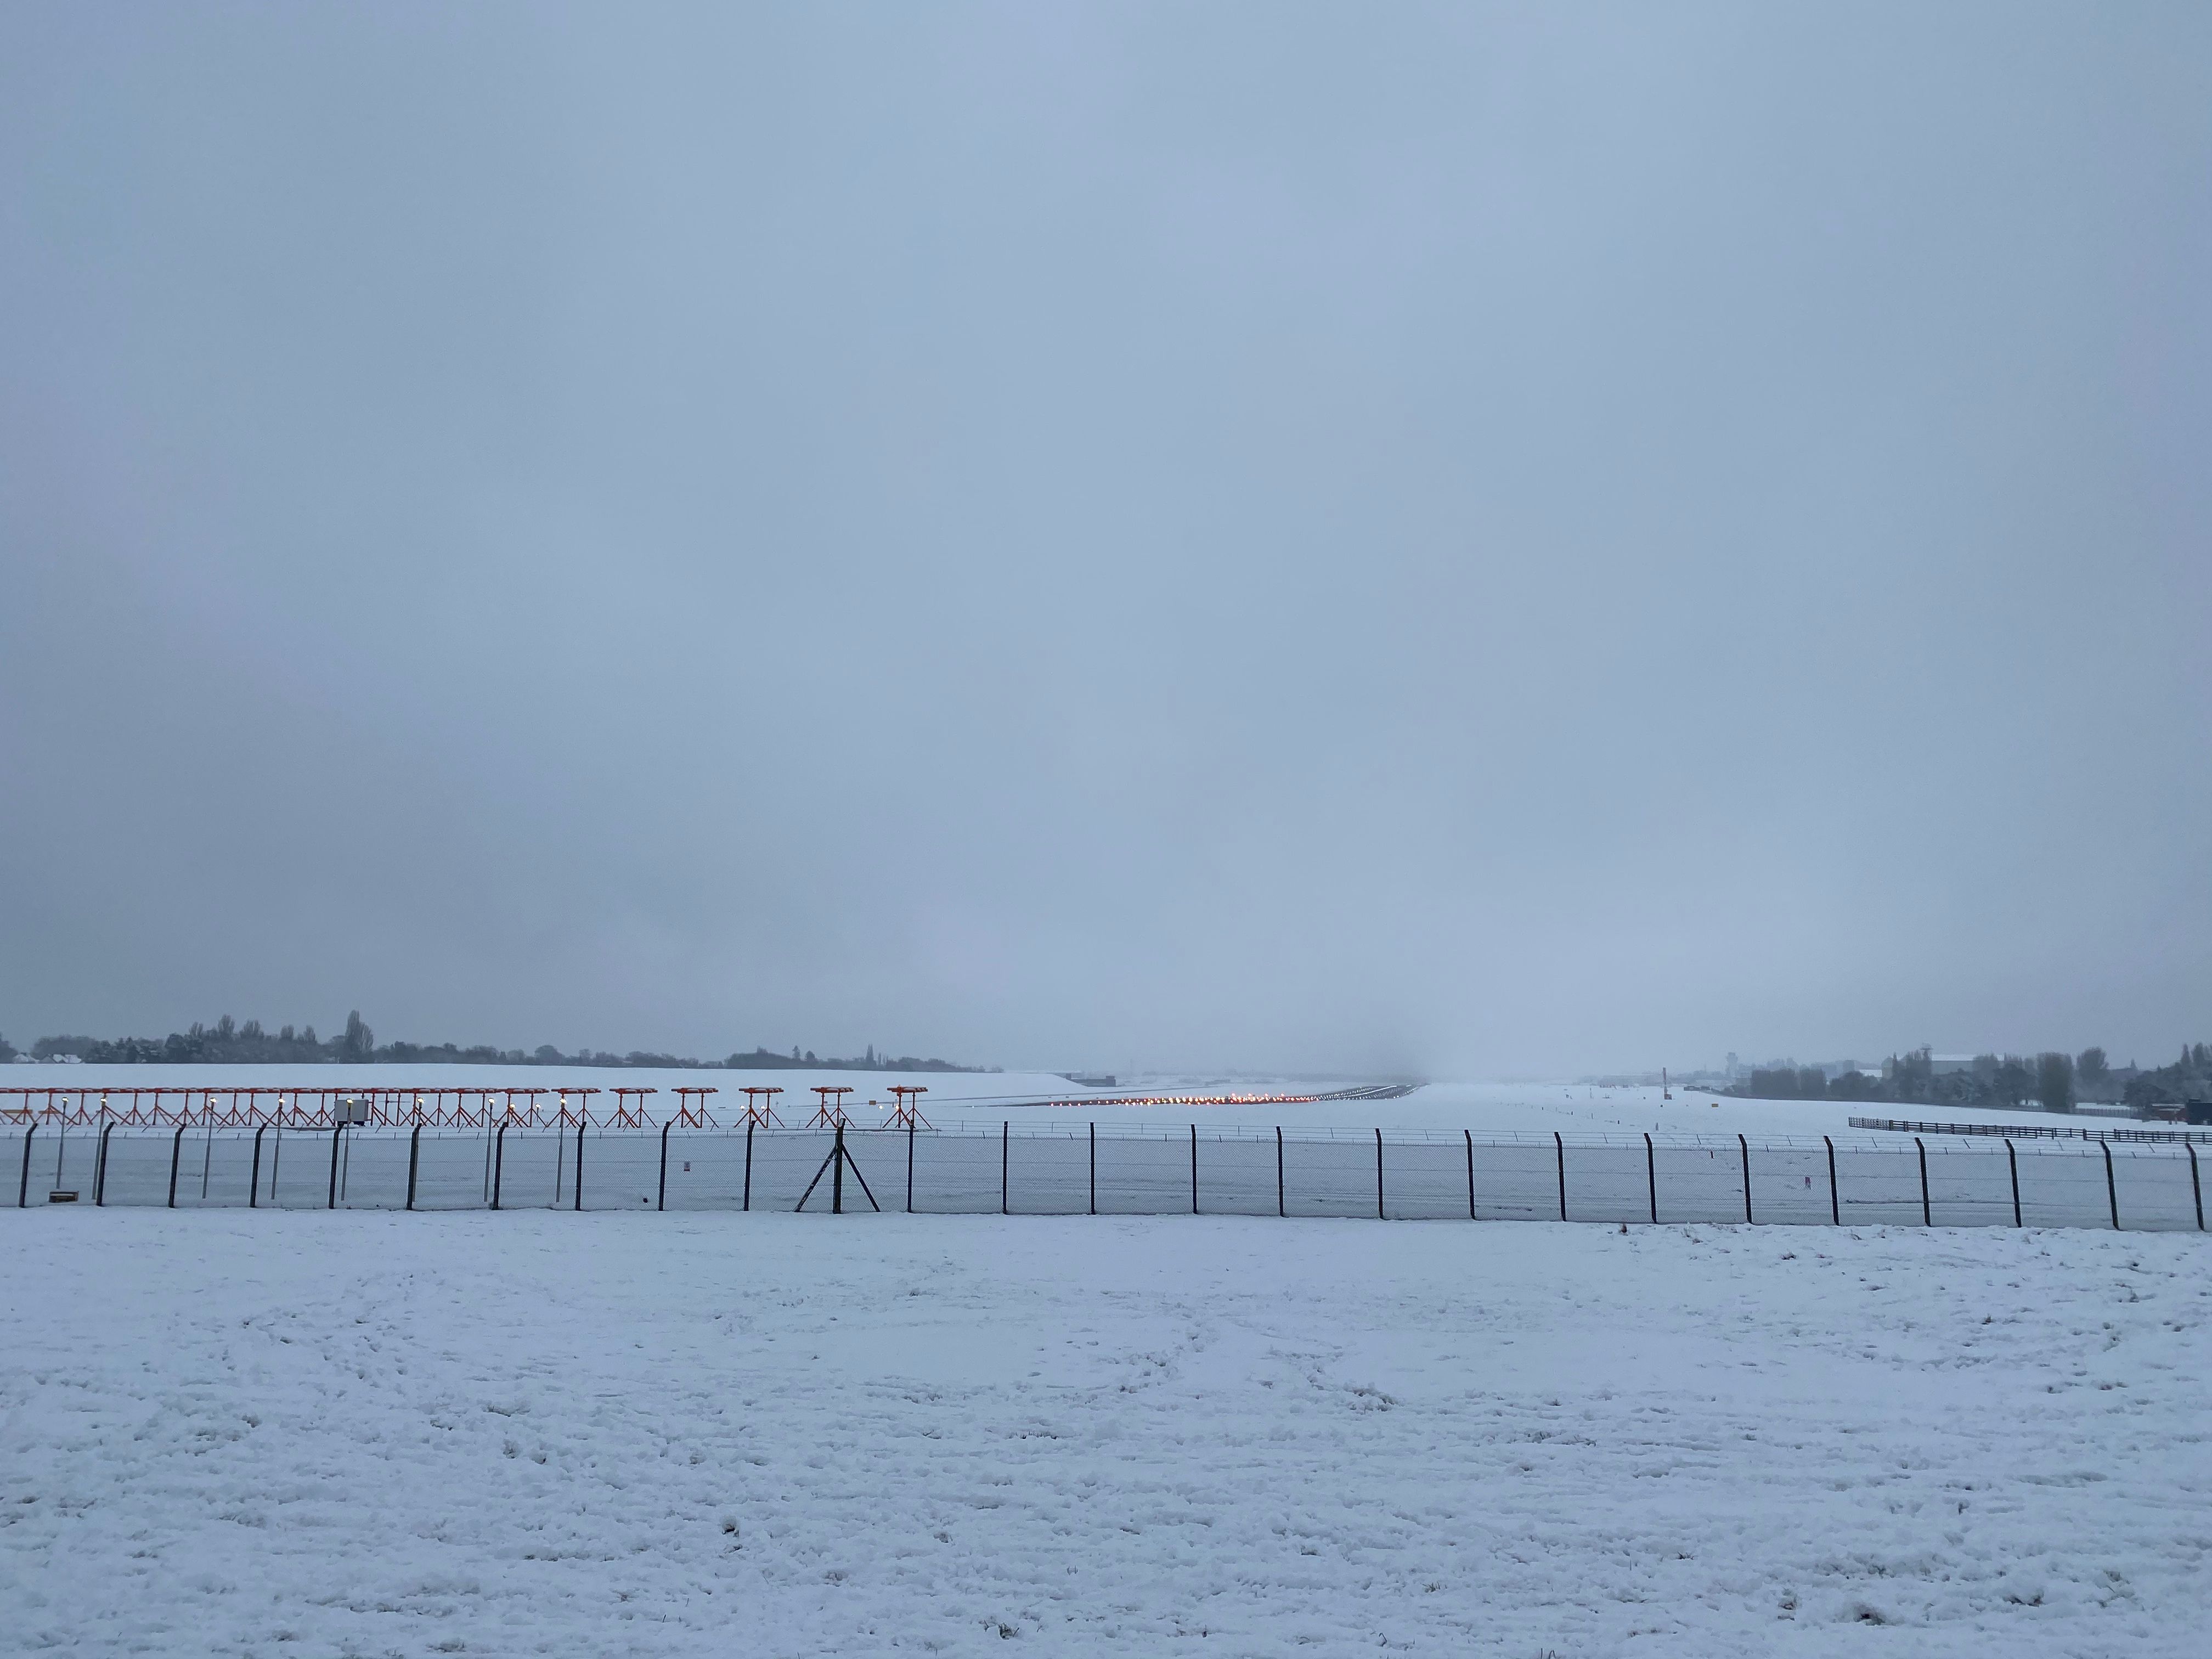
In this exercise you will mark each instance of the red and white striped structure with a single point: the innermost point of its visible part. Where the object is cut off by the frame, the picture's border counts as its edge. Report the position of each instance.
(323, 1107)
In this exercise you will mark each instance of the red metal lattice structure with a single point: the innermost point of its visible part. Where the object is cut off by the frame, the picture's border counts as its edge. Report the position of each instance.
(293, 1106)
(323, 1106)
(760, 1108)
(629, 1108)
(904, 1114)
(829, 1116)
(691, 1111)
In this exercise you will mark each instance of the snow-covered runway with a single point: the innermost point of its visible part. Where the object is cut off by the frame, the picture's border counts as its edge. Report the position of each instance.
(357, 1433)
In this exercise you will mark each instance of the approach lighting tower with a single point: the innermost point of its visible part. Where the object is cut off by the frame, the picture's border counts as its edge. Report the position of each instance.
(830, 1115)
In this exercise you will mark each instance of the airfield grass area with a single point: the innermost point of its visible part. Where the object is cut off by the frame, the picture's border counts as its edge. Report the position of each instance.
(369, 1434)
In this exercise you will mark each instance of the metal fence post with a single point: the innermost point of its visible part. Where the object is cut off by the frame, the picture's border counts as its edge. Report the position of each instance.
(1561, 1145)
(413, 1162)
(498, 1162)
(837, 1172)
(747, 1204)
(2196, 1187)
(253, 1191)
(1005, 1131)
(1094, 1169)
(100, 1167)
(1469, 1136)
(1746, 1146)
(580, 1168)
(2012, 1168)
(23, 1181)
(661, 1203)
(909, 1170)
(338, 1137)
(176, 1157)
(1835, 1203)
(1379, 1216)
(1282, 1205)
(1927, 1217)
(1651, 1177)
(1193, 1168)
(2112, 1187)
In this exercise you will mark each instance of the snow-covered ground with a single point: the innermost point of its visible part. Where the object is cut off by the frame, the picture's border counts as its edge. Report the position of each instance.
(234, 1432)
(952, 1086)
(974, 1097)
(1568, 1109)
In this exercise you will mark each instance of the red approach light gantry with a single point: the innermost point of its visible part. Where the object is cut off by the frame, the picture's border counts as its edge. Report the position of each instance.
(830, 1116)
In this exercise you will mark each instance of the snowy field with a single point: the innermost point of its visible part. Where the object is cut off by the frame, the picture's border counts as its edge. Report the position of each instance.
(350, 1433)
(974, 1098)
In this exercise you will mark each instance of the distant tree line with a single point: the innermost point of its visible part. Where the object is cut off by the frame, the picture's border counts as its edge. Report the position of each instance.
(227, 1042)
(2056, 1082)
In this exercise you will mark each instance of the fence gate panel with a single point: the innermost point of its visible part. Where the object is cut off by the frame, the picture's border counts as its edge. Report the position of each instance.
(1516, 1180)
(214, 1169)
(957, 1174)
(453, 1172)
(1877, 1186)
(1328, 1177)
(295, 1169)
(2152, 1185)
(1425, 1179)
(1969, 1184)
(1700, 1183)
(879, 1156)
(1144, 1175)
(784, 1165)
(1236, 1174)
(59, 1160)
(1790, 1186)
(2062, 1185)
(1606, 1183)
(137, 1168)
(373, 1168)
(1049, 1174)
(707, 1168)
(622, 1169)
(534, 1169)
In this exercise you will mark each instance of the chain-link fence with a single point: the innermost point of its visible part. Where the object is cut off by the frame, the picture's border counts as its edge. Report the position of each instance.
(1119, 1170)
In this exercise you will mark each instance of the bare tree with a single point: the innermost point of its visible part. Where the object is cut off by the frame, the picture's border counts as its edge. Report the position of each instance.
(359, 1042)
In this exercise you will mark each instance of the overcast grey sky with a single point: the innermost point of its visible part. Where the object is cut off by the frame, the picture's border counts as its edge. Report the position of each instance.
(1496, 540)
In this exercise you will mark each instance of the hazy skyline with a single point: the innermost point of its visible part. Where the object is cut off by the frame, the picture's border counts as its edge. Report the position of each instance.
(1481, 541)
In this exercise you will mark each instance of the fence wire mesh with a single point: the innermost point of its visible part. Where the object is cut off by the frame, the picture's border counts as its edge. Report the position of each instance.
(1081, 1169)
